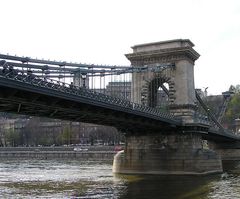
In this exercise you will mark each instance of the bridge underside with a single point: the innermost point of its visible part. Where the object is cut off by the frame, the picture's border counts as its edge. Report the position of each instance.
(69, 107)
(27, 99)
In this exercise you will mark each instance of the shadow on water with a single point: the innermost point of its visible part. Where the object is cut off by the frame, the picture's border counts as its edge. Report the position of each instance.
(219, 186)
(92, 179)
(167, 187)
(231, 166)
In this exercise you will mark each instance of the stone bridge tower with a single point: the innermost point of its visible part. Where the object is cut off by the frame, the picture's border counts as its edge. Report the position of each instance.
(175, 151)
(180, 78)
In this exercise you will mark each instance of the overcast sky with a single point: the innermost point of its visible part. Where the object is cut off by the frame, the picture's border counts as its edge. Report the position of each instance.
(102, 31)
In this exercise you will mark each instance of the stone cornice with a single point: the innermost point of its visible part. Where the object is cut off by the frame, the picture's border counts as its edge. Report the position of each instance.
(186, 41)
(163, 55)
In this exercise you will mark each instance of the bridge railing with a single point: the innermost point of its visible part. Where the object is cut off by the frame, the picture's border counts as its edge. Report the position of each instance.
(44, 82)
(207, 120)
(202, 119)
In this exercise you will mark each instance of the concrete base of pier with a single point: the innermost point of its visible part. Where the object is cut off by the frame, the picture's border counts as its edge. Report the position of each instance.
(229, 153)
(166, 154)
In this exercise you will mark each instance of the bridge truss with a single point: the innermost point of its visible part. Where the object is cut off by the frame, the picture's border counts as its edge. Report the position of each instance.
(18, 77)
(108, 79)
(104, 85)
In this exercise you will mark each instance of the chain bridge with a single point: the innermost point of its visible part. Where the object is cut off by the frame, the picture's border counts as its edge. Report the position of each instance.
(153, 102)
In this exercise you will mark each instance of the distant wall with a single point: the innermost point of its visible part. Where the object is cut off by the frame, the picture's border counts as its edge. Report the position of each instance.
(92, 153)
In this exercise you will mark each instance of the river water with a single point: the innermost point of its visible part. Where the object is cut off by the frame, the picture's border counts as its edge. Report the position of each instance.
(94, 179)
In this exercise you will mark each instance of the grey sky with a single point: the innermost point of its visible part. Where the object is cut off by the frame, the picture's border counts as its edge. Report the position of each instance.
(102, 31)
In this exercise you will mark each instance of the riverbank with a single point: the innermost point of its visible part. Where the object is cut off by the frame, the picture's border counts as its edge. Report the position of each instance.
(86, 152)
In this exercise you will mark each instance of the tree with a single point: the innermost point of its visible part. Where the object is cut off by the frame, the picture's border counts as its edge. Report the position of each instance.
(233, 110)
(12, 137)
(33, 132)
(67, 135)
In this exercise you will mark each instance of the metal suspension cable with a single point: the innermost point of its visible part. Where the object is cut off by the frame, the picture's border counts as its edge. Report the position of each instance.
(114, 88)
(124, 86)
(165, 89)
(59, 69)
(148, 87)
(64, 74)
(110, 84)
(66, 70)
(79, 76)
(93, 79)
(156, 92)
(226, 100)
(132, 87)
(100, 79)
(104, 84)
(118, 83)
(204, 106)
(49, 62)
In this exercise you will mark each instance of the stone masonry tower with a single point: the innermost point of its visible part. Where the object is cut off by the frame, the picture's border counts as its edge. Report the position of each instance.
(168, 151)
(180, 79)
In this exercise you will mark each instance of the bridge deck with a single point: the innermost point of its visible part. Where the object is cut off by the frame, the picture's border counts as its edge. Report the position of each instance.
(23, 95)
(45, 98)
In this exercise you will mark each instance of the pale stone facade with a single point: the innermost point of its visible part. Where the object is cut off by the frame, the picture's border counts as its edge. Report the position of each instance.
(166, 154)
(180, 78)
(171, 152)
(81, 80)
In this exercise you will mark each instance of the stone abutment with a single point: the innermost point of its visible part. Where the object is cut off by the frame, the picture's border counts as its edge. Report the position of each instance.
(166, 154)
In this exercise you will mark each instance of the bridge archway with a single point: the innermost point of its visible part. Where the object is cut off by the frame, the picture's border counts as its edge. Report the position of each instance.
(158, 98)
(180, 56)
(155, 91)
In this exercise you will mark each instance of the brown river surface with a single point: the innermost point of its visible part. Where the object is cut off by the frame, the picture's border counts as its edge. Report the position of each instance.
(94, 179)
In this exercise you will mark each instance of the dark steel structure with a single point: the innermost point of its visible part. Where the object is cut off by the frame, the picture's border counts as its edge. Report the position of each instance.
(24, 90)
(32, 95)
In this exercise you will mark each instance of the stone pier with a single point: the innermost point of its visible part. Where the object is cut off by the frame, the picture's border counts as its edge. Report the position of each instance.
(163, 152)
(166, 154)
(228, 152)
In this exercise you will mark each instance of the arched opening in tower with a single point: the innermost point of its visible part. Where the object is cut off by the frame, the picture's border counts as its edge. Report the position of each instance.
(158, 92)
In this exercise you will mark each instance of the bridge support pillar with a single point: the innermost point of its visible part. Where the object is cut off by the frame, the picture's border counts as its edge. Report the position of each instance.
(166, 154)
(229, 153)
